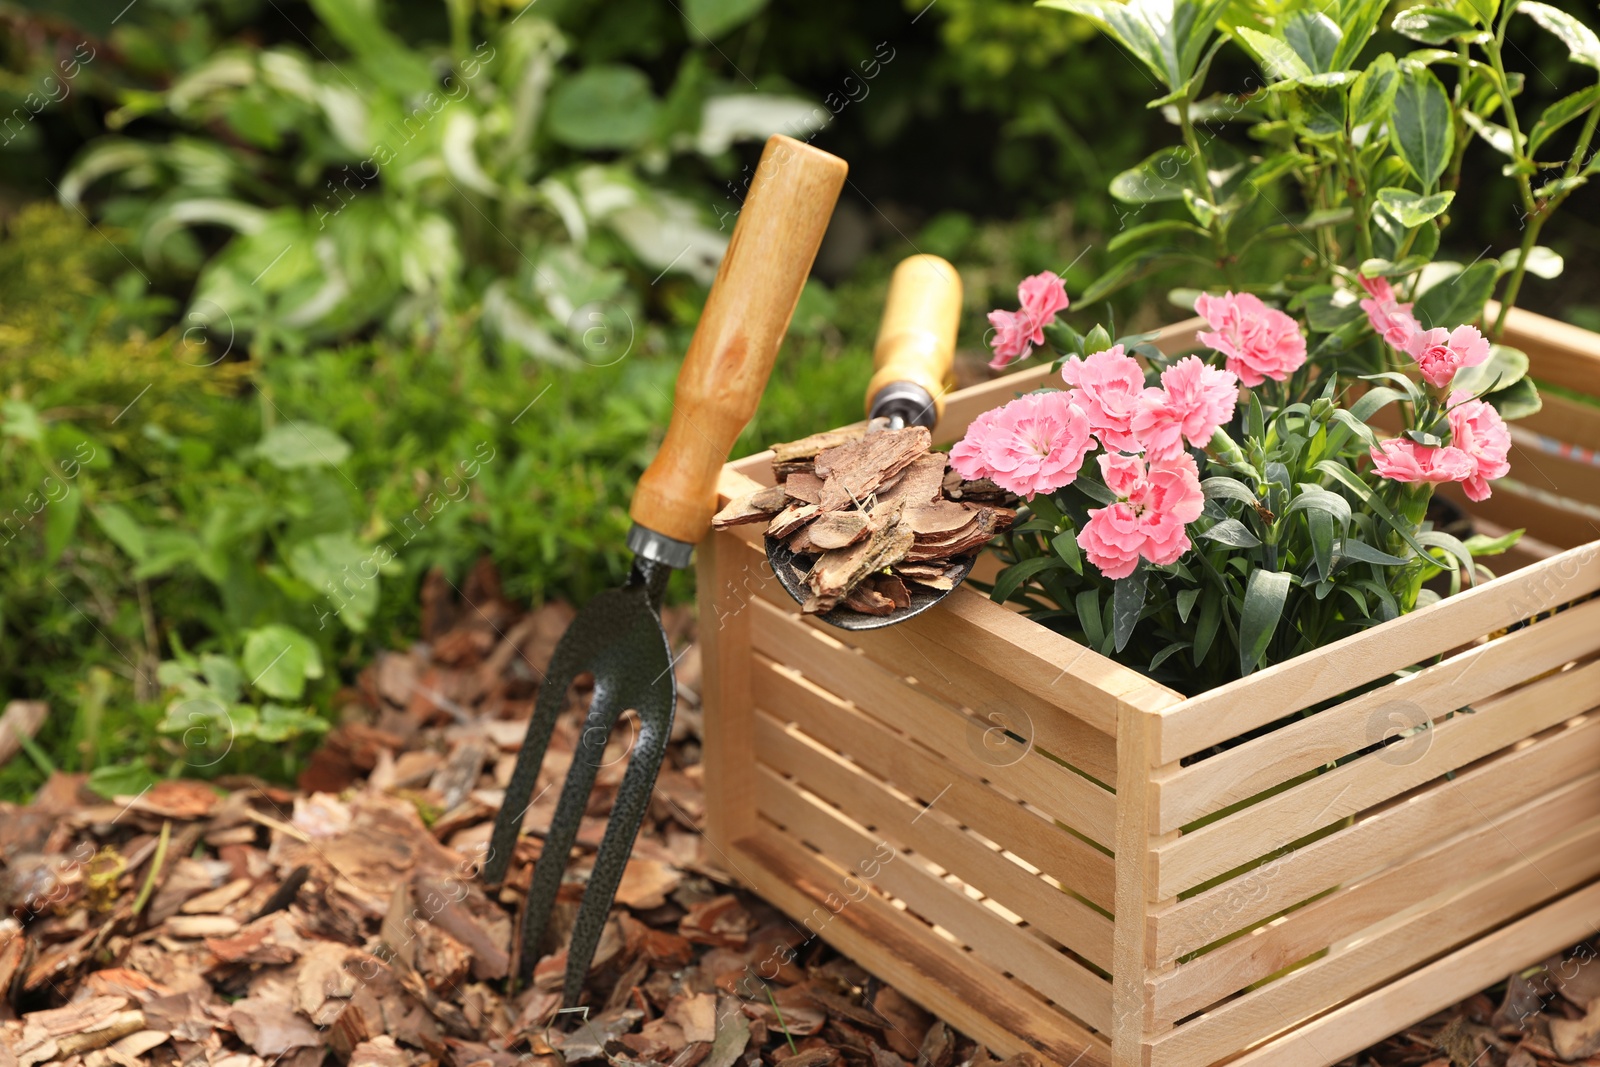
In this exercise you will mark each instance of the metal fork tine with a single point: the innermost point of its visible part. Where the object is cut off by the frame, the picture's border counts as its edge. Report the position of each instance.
(627, 815)
(547, 872)
(565, 664)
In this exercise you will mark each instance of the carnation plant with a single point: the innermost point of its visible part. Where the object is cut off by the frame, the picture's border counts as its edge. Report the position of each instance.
(1203, 517)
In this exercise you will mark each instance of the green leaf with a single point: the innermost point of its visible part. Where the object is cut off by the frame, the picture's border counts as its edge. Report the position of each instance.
(1231, 532)
(1278, 59)
(1166, 35)
(1493, 134)
(1433, 25)
(1164, 175)
(1315, 39)
(1067, 550)
(120, 780)
(1580, 40)
(1413, 209)
(1127, 602)
(1087, 607)
(279, 724)
(1372, 96)
(278, 659)
(337, 567)
(294, 445)
(1185, 602)
(1460, 299)
(1319, 111)
(1560, 113)
(1543, 262)
(20, 419)
(60, 523)
(1361, 552)
(1484, 545)
(710, 19)
(1517, 402)
(1207, 625)
(1154, 229)
(124, 530)
(1320, 525)
(603, 106)
(1264, 596)
(1422, 127)
(1452, 546)
(1220, 487)
(1504, 368)
(1012, 577)
(1131, 270)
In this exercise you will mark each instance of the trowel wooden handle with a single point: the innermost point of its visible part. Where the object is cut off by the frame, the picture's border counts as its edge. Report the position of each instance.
(785, 212)
(917, 339)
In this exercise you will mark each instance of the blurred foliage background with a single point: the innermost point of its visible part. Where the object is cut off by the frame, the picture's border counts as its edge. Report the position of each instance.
(300, 300)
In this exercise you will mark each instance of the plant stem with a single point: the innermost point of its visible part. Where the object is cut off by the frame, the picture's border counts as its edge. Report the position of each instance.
(1197, 162)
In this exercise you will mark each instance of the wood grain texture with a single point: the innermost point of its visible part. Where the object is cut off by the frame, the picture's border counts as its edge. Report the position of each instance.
(926, 781)
(1418, 994)
(1002, 879)
(1558, 352)
(728, 739)
(954, 737)
(917, 335)
(1246, 835)
(989, 935)
(1240, 963)
(975, 997)
(1271, 759)
(1132, 1019)
(1252, 702)
(1407, 940)
(754, 294)
(1377, 840)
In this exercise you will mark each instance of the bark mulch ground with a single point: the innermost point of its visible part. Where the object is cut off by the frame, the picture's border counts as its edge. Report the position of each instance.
(242, 924)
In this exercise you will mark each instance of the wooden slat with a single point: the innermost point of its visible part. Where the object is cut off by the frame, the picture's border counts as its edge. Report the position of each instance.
(976, 998)
(1417, 995)
(1008, 883)
(1405, 942)
(1221, 846)
(1131, 1008)
(728, 738)
(990, 936)
(1574, 479)
(1254, 701)
(1038, 842)
(1451, 861)
(1571, 421)
(1379, 839)
(1544, 520)
(959, 678)
(1053, 789)
(1266, 761)
(1558, 352)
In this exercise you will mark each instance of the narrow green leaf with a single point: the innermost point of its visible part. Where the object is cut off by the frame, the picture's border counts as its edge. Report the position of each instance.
(1185, 602)
(1581, 41)
(1087, 604)
(1264, 596)
(1413, 209)
(1012, 577)
(1233, 533)
(1127, 605)
(1372, 95)
(1560, 113)
(1433, 25)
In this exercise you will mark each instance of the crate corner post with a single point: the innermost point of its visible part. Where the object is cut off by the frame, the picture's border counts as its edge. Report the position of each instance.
(728, 734)
(1133, 951)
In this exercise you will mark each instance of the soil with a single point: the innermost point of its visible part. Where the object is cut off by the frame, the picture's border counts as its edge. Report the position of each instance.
(241, 924)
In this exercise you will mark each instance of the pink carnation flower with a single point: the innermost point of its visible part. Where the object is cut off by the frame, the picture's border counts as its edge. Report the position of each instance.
(1108, 387)
(1440, 353)
(1401, 459)
(1043, 296)
(1156, 502)
(1477, 429)
(1260, 342)
(1193, 401)
(1390, 319)
(1035, 444)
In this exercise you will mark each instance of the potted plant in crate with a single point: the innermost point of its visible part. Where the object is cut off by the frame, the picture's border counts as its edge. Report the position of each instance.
(1267, 767)
(1287, 505)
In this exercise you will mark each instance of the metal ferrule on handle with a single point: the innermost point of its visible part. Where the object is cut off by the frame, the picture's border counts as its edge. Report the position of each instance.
(916, 342)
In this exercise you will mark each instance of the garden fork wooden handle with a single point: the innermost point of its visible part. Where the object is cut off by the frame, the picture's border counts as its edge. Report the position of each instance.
(790, 200)
(917, 339)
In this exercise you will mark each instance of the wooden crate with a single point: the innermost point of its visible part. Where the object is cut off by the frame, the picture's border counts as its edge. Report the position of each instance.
(1264, 913)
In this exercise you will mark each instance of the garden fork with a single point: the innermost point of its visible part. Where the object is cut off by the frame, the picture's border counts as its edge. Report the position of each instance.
(618, 635)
